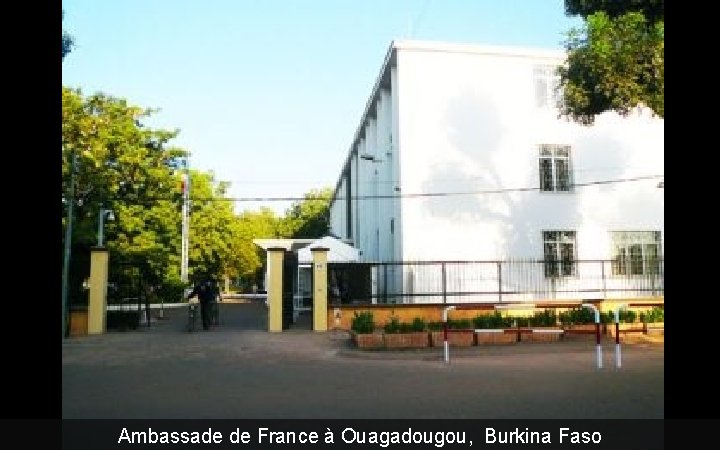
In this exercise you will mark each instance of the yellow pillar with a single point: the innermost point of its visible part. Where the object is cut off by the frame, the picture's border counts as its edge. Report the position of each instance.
(275, 287)
(97, 304)
(320, 299)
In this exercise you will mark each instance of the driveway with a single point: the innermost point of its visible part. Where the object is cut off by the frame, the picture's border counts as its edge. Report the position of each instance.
(238, 370)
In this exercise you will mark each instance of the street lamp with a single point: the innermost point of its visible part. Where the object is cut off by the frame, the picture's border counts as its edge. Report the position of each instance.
(372, 158)
(101, 223)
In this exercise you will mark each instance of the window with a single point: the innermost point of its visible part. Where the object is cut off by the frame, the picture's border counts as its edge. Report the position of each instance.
(559, 253)
(555, 168)
(547, 84)
(636, 253)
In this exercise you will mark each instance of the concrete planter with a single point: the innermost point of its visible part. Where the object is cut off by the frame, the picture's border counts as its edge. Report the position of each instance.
(655, 328)
(417, 339)
(463, 338)
(498, 336)
(625, 328)
(541, 334)
(583, 331)
(367, 340)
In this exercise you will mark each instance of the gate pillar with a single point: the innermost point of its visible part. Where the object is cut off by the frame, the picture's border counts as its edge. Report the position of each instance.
(97, 304)
(275, 288)
(320, 282)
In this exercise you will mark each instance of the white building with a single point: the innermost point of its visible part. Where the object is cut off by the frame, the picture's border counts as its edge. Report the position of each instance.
(460, 155)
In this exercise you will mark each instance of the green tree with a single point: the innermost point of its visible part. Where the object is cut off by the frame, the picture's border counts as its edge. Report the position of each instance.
(616, 60)
(123, 166)
(221, 242)
(214, 230)
(261, 224)
(310, 217)
(134, 171)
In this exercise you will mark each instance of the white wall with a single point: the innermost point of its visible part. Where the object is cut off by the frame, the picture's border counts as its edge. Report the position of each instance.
(468, 122)
(338, 211)
(373, 172)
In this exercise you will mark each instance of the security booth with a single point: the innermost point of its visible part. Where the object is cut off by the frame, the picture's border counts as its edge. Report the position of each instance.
(296, 266)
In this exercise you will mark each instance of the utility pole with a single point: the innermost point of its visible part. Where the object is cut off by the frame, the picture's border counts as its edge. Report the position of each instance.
(185, 224)
(68, 239)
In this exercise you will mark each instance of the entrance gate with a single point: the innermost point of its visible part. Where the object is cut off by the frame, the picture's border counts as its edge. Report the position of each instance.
(290, 263)
(125, 297)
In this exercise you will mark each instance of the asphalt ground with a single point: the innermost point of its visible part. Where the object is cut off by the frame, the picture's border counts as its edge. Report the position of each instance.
(238, 370)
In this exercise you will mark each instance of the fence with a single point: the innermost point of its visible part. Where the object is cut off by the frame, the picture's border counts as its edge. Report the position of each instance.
(126, 299)
(489, 281)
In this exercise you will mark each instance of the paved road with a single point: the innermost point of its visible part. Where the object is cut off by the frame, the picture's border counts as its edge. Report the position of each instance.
(238, 370)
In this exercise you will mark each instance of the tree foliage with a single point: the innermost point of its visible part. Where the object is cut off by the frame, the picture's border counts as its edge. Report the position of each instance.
(219, 243)
(119, 162)
(133, 170)
(616, 60)
(125, 167)
(653, 10)
(310, 217)
(67, 41)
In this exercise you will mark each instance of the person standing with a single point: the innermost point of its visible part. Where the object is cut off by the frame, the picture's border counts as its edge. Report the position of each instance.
(206, 291)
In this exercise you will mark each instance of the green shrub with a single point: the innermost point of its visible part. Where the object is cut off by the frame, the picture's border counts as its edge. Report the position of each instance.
(577, 316)
(627, 316)
(564, 318)
(418, 324)
(460, 324)
(607, 317)
(482, 321)
(435, 326)
(546, 318)
(393, 326)
(495, 320)
(657, 314)
(363, 322)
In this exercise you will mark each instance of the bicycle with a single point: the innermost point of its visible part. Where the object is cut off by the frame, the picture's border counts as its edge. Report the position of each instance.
(193, 312)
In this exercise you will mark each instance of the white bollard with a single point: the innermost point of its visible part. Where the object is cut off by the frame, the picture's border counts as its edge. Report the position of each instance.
(597, 333)
(445, 332)
(618, 358)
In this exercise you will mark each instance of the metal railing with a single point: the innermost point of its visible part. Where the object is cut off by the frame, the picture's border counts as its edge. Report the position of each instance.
(489, 281)
(127, 304)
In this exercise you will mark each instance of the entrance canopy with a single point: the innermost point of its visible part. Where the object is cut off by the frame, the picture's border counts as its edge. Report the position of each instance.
(339, 251)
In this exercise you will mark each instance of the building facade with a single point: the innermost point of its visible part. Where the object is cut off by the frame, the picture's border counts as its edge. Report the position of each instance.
(461, 156)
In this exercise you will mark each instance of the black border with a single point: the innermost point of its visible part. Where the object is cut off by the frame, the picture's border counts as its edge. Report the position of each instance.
(32, 311)
(32, 353)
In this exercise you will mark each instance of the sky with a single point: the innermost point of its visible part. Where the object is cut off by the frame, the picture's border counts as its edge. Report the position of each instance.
(268, 94)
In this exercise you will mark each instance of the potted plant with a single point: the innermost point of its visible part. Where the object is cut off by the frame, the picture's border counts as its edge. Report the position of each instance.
(405, 335)
(627, 323)
(543, 327)
(581, 322)
(460, 333)
(654, 320)
(493, 329)
(362, 331)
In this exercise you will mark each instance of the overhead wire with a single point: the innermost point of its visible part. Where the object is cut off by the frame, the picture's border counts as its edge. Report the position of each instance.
(400, 195)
